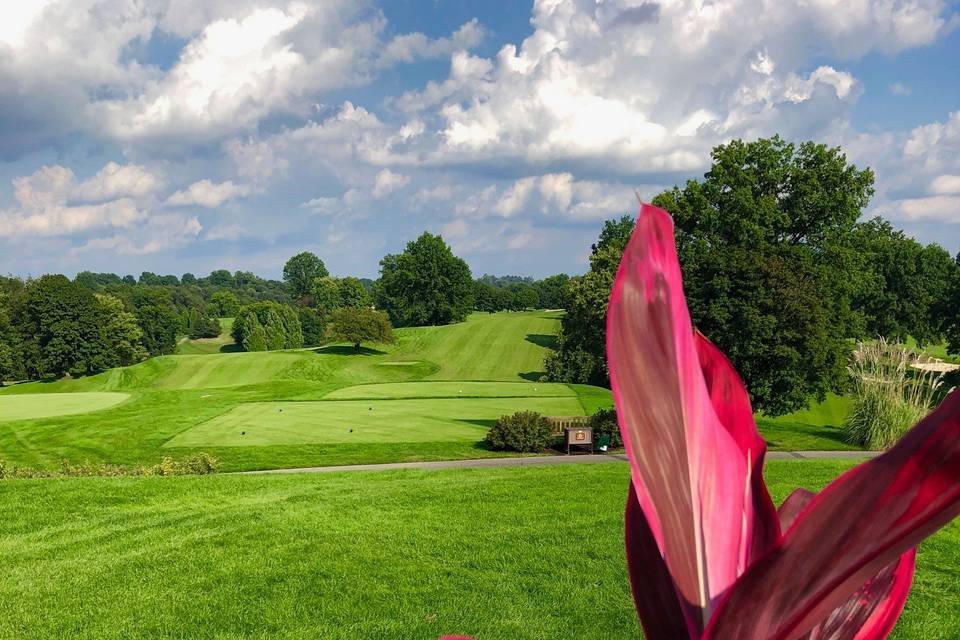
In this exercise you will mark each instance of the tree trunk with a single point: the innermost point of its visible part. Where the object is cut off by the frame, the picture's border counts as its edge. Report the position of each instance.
(356, 346)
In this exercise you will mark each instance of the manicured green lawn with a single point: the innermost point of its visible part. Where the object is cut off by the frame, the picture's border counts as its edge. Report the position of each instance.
(817, 428)
(180, 405)
(501, 554)
(407, 390)
(222, 343)
(41, 405)
(363, 421)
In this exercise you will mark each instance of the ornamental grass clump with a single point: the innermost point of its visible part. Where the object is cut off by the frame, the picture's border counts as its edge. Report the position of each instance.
(890, 393)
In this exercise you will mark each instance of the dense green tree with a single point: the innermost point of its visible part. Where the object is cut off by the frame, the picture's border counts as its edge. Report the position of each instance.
(59, 327)
(905, 284)
(188, 278)
(352, 293)
(120, 331)
(300, 271)
(313, 326)
(10, 358)
(357, 325)
(226, 304)
(554, 292)
(221, 278)
(159, 323)
(485, 297)
(254, 335)
(325, 294)
(524, 297)
(766, 245)
(425, 285)
(280, 324)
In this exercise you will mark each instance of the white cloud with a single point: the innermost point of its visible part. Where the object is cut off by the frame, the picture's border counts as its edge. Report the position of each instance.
(387, 182)
(160, 233)
(51, 202)
(413, 46)
(900, 89)
(116, 180)
(208, 194)
(945, 184)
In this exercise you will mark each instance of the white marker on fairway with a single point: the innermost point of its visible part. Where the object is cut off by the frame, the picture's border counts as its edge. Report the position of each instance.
(207, 396)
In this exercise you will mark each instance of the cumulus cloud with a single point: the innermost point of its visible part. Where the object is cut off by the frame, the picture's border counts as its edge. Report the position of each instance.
(160, 233)
(387, 182)
(654, 97)
(415, 46)
(52, 202)
(208, 194)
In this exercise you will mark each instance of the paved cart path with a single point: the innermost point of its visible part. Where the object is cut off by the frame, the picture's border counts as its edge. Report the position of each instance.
(545, 460)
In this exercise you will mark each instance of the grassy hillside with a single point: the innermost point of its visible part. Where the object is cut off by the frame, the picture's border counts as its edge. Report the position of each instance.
(401, 555)
(180, 404)
(221, 344)
(432, 396)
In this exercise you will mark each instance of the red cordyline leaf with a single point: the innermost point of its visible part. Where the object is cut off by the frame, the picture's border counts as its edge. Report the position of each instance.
(693, 474)
(872, 611)
(861, 523)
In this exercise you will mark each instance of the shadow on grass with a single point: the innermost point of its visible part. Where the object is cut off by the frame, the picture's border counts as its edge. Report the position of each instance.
(486, 424)
(533, 376)
(348, 350)
(231, 348)
(796, 436)
(542, 340)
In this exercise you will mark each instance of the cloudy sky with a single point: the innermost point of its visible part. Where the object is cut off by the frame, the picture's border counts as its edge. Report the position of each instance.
(189, 135)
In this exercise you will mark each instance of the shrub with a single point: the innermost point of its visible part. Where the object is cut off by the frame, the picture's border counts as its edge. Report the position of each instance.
(889, 394)
(524, 431)
(604, 422)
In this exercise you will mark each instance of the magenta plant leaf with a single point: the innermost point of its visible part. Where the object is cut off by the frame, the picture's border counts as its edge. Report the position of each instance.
(693, 483)
(654, 593)
(849, 533)
(872, 611)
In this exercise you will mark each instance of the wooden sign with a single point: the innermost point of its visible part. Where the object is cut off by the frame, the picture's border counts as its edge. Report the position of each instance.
(579, 436)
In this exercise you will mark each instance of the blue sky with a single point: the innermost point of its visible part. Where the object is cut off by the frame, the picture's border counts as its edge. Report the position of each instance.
(190, 135)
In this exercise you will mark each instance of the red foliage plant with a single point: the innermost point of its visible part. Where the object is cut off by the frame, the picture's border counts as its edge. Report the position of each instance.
(709, 556)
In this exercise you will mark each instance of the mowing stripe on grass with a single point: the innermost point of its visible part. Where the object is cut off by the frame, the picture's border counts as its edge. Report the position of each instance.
(29, 406)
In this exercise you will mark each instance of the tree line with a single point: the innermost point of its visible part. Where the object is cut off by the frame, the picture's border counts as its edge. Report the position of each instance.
(779, 271)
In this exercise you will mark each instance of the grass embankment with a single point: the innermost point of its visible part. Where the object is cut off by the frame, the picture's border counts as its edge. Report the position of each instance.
(501, 554)
(221, 344)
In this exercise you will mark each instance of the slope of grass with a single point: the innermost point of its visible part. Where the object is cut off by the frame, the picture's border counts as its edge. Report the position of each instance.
(500, 554)
(221, 344)
(499, 346)
(816, 428)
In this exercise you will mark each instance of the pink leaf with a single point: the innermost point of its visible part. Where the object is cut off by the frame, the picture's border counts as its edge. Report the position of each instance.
(654, 593)
(692, 480)
(732, 405)
(872, 611)
(848, 534)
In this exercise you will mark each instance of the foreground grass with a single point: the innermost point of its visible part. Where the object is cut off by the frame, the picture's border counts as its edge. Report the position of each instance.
(502, 554)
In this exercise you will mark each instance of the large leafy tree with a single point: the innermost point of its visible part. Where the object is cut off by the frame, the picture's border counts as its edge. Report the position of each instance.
(120, 331)
(905, 284)
(425, 285)
(266, 326)
(60, 329)
(357, 325)
(581, 343)
(300, 271)
(766, 244)
(160, 324)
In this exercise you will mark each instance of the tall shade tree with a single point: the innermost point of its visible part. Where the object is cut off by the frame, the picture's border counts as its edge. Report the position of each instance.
(120, 331)
(766, 244)
(300, 272)
(159, 324)
(425, 285)
(357, 325)
(59, 325)
(580, 355)
(906, 285)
